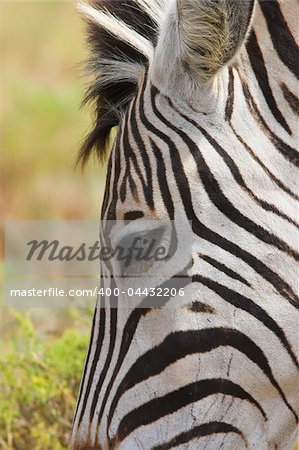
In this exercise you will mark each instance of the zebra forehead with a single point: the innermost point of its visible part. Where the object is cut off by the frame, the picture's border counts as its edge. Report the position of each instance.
(127, 37)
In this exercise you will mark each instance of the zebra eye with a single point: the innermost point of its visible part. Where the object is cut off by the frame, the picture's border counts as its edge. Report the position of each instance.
(139, 252)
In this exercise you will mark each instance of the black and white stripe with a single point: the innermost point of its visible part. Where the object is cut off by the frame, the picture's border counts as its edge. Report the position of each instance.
(216, 148)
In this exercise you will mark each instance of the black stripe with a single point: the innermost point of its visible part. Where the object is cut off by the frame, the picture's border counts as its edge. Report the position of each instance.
(230, 97)
(264, 271)
(96, 356)
(214, 191)
(111, 185)
(219, 266)
(290, 98)
(175, 400)
(133, 215)
(130, 156)
(123, 186)
(178, 345)
(282, 38)
(200, 229)
(229, 110)
(205, 429)
(86, 363)
(108, 181)
(261, 74)
(246, 304)
(162, 179)
(113, 300)
(133, 15)
(199, 307)
(127, 337)
(271, 175)
(127, 178)
(286, 150)
(165, 193)
(147, 187)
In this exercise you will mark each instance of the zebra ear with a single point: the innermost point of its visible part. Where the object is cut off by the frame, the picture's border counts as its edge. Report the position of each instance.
(198, 38)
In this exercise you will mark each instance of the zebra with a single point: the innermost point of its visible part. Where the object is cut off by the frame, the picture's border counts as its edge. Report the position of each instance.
(203, 95)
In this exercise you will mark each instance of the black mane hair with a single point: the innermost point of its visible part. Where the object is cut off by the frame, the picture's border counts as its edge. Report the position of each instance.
(115, 64)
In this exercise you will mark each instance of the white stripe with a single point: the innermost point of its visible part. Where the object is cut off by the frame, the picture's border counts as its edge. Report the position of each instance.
(117, 28)
(154, 8)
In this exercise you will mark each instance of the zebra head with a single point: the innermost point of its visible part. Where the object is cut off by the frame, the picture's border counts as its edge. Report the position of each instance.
(203, 94)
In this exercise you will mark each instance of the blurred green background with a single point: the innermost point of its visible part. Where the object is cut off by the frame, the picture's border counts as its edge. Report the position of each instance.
(41, 87)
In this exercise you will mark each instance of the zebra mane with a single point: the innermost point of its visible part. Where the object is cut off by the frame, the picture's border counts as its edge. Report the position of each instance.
(122, 35)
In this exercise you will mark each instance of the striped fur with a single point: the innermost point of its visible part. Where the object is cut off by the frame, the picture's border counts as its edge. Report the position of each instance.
(217, 370)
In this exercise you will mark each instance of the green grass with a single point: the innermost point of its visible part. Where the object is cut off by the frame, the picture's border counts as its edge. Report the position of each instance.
(38, 385)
